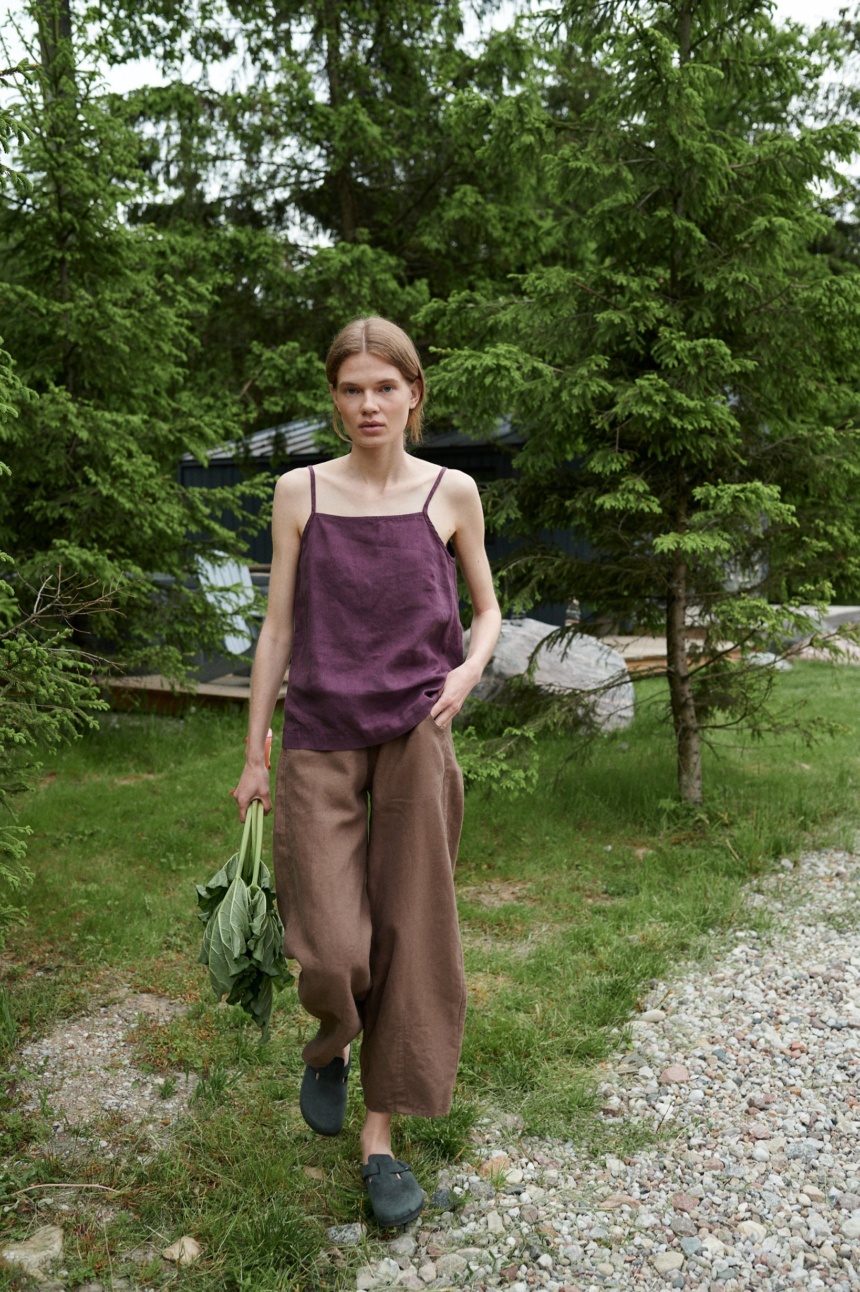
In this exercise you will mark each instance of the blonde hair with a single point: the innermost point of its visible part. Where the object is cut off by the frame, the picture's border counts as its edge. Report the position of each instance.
(387, 341)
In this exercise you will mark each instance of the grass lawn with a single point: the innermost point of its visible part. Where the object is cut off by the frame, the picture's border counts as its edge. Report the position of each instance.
(571, 900)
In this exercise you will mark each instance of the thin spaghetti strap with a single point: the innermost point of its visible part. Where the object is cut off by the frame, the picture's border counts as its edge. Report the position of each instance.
(433, 490)
(313, 490)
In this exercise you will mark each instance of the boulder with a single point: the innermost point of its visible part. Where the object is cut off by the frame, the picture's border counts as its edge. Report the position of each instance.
(37, 1251)
(580, 663)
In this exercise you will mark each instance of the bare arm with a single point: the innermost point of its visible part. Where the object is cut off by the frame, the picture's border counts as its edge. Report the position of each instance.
(275, 642)
(486, 620)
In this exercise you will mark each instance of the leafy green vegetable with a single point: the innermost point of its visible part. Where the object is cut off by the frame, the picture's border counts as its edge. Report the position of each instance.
(243, 939)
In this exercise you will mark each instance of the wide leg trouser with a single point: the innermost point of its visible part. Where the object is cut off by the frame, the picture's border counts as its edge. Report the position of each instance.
(367, 901)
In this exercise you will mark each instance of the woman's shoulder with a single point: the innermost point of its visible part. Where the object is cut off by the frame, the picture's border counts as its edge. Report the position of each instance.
(458, 485)
(293, 484)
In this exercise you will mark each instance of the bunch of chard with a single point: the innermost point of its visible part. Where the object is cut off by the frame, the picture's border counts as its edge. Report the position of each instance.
(243, 941)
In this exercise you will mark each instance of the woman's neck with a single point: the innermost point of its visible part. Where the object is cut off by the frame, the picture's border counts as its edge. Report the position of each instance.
(380, 468)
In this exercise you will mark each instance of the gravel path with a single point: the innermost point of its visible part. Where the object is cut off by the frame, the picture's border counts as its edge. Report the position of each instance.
(751, 1067)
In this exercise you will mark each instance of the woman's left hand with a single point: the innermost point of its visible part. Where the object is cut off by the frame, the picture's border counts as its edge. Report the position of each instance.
(454, 694)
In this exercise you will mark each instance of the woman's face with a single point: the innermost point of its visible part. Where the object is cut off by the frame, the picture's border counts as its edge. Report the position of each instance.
(374, 400)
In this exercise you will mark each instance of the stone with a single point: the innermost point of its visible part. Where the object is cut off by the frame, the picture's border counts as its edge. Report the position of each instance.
(713, 1245)
(365, 1278)
(37, 1251)
(674, 1073)
(752, 1229)
(767, 659)
(403, 1245)
(850, 1228)
(427, 1272)
(348, 1235)
(184, 1251)
(651, 1016)
(581, 663)
(314, 1172)
(691, 1246)
(410, 1280)
(667, 1262)
(451, 1263)
(495, 1165)
(470, 1253)
(441, 1200)
(495, 1224)
(385, 1273)
(684, 1202)
(682, 1225)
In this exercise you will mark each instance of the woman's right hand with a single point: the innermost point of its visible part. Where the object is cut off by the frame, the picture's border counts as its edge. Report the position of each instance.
(253, 784)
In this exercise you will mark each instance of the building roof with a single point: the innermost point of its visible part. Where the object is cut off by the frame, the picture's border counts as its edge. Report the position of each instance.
(297, 439)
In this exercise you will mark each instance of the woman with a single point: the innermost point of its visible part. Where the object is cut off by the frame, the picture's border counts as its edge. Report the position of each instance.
(363, 606)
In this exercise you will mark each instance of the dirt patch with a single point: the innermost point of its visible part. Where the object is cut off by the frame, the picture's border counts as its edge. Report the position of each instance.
(503, 943)
(498, 892)
(82, 1071)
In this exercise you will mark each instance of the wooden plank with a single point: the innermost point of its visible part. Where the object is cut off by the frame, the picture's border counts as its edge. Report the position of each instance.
(153, 691)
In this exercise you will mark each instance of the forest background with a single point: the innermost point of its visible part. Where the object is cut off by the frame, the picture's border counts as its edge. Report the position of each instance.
(631, 227)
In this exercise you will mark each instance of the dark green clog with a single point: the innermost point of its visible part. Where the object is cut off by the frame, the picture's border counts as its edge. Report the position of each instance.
(322, 1100)
(395, 1194)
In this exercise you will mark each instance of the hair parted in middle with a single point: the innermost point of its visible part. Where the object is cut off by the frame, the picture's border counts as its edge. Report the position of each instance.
(380, 337)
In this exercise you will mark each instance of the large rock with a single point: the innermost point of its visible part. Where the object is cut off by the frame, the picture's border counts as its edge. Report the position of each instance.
(580, 663)
(37, 1251)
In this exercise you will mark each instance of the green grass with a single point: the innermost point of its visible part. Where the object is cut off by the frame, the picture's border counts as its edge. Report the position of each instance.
(572, 900)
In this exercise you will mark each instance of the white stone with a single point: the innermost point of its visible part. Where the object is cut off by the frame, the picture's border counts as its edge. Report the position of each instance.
(581, 663)
(42, 1247)
(427, 1272)
(184, 1251)
(666, 1262)
(850, 1228)
(767, 659)
(402, 1246)
(495, 1224)
(752, 1229)
(652, 1016)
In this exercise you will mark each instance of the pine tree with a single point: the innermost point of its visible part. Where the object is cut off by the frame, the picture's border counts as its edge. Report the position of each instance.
(687, 372)
(46, 689)
(345, 174)
(102, 332)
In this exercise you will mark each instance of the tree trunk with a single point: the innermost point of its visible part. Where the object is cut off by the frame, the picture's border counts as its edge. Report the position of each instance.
(688, 744)
(54, 22)
(341, 175)
(59, 93)
(684, 718)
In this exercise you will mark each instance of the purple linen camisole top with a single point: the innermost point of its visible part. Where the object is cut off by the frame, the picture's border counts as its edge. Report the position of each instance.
(376, 630)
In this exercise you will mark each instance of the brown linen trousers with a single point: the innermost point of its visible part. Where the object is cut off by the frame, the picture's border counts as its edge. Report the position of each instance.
(365, 842)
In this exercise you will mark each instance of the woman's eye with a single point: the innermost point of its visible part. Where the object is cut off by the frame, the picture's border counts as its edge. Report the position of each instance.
(387, 390)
